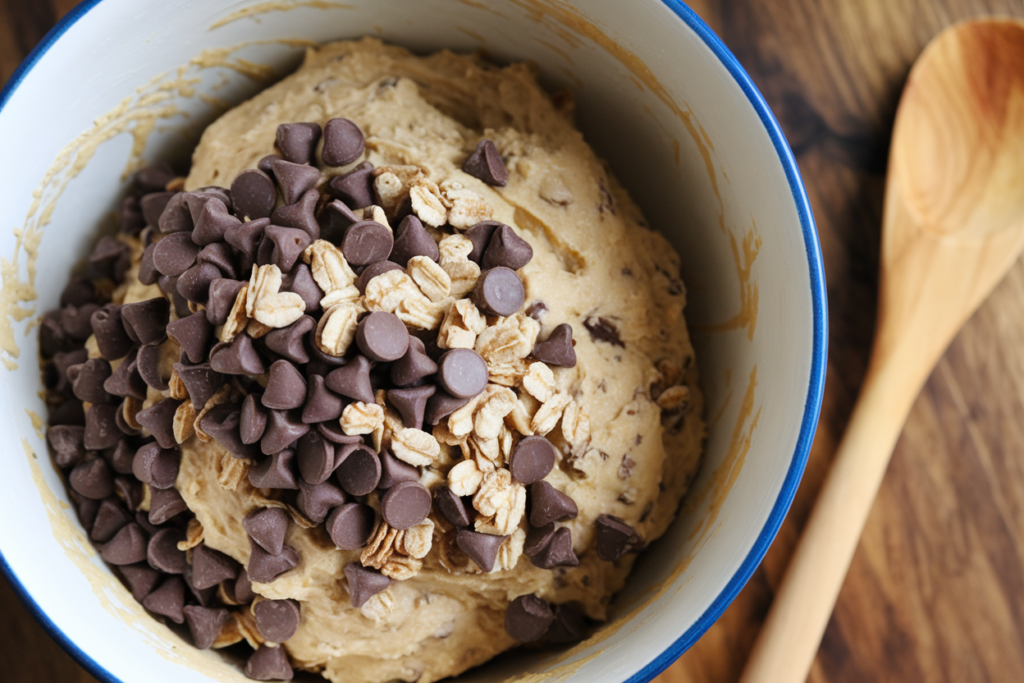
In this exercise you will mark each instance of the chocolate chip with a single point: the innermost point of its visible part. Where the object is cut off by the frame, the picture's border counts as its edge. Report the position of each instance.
(246, 237)
(133, 219)
(615, 538)
(411, 403)
(548, 504)
(128, 546)
(130, 490)
(111, 338)
(283, 429)
(441, 405)
(288, 245)
(364, 583)
(220, 255)
(297, 142)
(322, 360)
(355, 188)
(414, 365)
(332, 432)
(169, 285)
(300, 216)
(78, 292)
(52, 337)
(452, 507)
(67, 444)
(126, 380)
(316, 457)
(110, 258)
(243, 588)
(528, 618)
(481, 548)
(148, 273)
(264, 567)
(321, 404)
(569, 626)
(351, 525)
(275, 472)
(294, 180)
(67, 413)
(277, 620)
(286, 387)
(462, 373)
(412, 239)
(485, 163)
(154, 178)
(148, 366)
(205, 624)
(405, 505)
(382, 336)
(507, 249)
(499, 291)
(152, 206)
(253, 419)
(168, 600)
(269, 664)
(393, 471)
(87, 380)
(334, 219)
(222, 423)
(64, 360)
(373, 270)
(156, 466)
(557, 349)
(358, 471)
(603, 330)
(366, 242)
(175, 254)
(147, 319)
(480, 235)
(220, 298)
(194, 283)
(253, 194)
(236, 357)
(315, 501)
(162, 552)
(213, 222)
(201, 382)
(86, 508)
(210, 567)
(101, 429)
(300, 281)
(343, 142)
(121, 457)
(140, 579)
(264, 163)
(77, 321)
(110, 518)
(532, 459)
(164, 505)
(122, 422)
(352, 380)
(556, 552)
(267, 528)
(175, 217)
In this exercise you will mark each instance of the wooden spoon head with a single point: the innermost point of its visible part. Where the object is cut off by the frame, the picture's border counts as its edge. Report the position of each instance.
(958, 142)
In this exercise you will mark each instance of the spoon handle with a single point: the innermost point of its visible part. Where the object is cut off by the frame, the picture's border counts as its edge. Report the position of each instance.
(789, 639)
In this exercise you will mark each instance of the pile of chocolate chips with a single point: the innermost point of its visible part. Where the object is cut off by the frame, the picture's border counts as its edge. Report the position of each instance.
(199, 248)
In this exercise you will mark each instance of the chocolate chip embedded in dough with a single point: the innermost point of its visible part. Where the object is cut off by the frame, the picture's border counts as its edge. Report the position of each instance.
(101, 430)
(405, 505)
(316, 458)
(222, 423)
(277, 620)
(205, 624)
(481, 548)
(351, 525)
(194, 283)
(220, 298)
(269, 664)
(507, 249)
(557, 349)
(165, 504)
(111, 338)
(294, 180)
(352, 380)
(253, 194)
(221, 255)
(175, 253)
(141, 579)
(452, 507)
(210, 567)
(128, 546)
(156, 466)
(87, 380)
(301, 215)
(77, 320)
(276, 471)
(411, 403)
(286, 387)
(284, 427)
(412, 239)
(267, 528)
(548, 504)
(162, 551)
(288, 245)
(246, 237)
(441, 405)
(485, 163)
(462, 373)
(615, 538)
(528, 618)
(253, 419)
(366, 242)
(603, 330)
(532, 459)
(300, 281)
(557, 552)
(148, 365)
(343, 142)
(359, 471)
(315, 501)
(393, 471)
(237, 357)
(67, 444)
(382, 336)
(264, 567)
(355, 188)
(111, 517)
(110, 258)
(321, 404)
(499, 291)
(373, 270)
(364, 583)
(537, 538)
(168, 600)
(569, 626)
(297, 142)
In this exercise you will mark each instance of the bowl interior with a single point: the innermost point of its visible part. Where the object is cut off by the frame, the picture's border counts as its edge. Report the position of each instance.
(656, 96)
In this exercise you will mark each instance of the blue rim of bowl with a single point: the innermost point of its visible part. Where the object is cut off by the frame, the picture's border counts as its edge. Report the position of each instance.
(812, 405)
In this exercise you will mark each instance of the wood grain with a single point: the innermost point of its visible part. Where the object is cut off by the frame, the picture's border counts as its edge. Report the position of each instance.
(936, 589)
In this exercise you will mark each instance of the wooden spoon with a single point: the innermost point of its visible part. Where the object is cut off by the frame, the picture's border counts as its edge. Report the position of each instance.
(952, 227)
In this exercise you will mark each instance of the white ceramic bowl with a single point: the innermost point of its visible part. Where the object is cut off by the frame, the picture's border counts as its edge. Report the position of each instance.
(659, 97)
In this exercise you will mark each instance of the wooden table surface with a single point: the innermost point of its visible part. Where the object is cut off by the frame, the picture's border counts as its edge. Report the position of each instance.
(936, 590)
